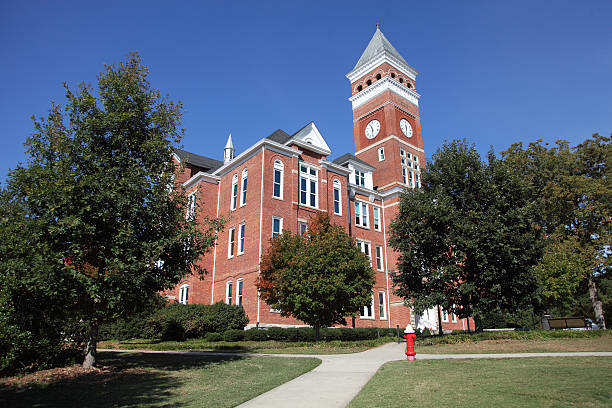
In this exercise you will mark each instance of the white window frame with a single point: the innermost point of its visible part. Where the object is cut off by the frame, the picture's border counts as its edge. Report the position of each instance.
(379, 258)
(191, 206)
(410, 177)
(381, 154)
(231, 242)
(337, 187)
(363, 313)
(280, 168)
(309, 178)
(183, 297)
(229, 286)
(239, 291)
(305, 225)
(243, 187)
(363, 245)
(234, 192)
(361, 214)
(360, 177)
(241, 242)
(382, 305)
(444, 315)
(280, 226)
(376, 217)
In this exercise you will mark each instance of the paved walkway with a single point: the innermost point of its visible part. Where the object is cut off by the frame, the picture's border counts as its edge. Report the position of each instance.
(340, 377)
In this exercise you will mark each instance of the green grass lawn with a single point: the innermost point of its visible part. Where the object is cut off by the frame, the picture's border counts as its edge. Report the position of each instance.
(527, 342)
(155, 380)
(276, 347)
(525, 382)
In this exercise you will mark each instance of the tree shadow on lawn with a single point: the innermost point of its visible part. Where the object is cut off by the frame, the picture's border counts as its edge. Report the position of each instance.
(123, 379)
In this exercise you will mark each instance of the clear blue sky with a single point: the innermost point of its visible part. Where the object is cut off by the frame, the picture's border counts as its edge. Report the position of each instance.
(490, 72)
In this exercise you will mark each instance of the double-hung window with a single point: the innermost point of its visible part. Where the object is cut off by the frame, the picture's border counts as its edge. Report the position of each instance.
(239, 282)
(241, 239)
(277, 226)
(337, 197)
(367, 312)
(359, 178)
(376, 211)
(382, 306)
(410, 169)
(303, 227)
(243, 191)
(308, 186)
(191, 206)
(229, 286)
(444, 315)
(364, 246)
(184, 294)
(381, 154)
(230, 242)
(234, 192)
(379, 258)
(361, 214)
(277, 188)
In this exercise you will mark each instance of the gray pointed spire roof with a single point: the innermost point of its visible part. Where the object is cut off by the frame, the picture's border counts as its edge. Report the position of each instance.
(229, 144)
(378, 44)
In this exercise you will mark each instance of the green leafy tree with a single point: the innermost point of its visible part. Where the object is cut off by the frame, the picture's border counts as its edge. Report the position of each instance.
(99, 187)
(319, 278)
(574, 197)
(465, 239)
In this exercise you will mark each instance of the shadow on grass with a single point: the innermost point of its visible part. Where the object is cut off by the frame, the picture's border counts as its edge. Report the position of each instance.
(125, 379)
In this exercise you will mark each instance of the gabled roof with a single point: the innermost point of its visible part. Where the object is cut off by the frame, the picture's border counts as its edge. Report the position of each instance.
(279, 136)
(346, 158)
(378, 45)
(204, 162)
(309, 135)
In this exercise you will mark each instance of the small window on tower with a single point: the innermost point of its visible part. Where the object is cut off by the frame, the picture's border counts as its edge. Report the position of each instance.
(409, 85)
(369, 82)
(393, 75)
(359, 88)
(377, 77)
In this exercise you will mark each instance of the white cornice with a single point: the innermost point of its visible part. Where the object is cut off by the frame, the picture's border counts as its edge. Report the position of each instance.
(379, 60)
(311, 147)
(247, 154)
(364, 190)
(372, 146)
(201, 176)
(330, 166)
(382, 106)
(384, 84)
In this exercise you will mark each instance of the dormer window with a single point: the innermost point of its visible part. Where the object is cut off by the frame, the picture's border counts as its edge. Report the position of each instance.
(360, 178)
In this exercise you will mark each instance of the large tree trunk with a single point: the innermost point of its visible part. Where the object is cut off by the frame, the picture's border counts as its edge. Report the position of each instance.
(92, 344)
(477, 324)
(597, 307)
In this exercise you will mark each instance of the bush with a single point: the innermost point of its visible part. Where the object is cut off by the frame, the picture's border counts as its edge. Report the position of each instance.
(233, 335)
(278, 333)
(212, 336)
(256, 335)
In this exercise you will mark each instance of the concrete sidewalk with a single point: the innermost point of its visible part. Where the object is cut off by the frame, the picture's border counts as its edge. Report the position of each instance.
(340, 377)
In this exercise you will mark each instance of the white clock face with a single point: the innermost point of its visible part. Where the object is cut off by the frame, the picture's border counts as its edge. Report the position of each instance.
(372, 129)
(406, 128)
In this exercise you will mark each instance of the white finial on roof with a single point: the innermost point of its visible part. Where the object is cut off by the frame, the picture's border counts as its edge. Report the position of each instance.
(228, 151)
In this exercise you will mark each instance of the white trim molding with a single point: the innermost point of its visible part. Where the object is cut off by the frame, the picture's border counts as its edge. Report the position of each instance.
(385, 84)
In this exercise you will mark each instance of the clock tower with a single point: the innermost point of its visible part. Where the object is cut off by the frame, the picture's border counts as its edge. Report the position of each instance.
(386, 115)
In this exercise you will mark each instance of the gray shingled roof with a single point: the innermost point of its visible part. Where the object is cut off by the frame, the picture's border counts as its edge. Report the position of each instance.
(279, 136)
(377, 45)
(342, 160)
(197, 160)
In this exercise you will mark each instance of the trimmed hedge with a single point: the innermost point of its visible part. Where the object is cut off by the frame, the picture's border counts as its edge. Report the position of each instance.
(307, 334)
(178, 322)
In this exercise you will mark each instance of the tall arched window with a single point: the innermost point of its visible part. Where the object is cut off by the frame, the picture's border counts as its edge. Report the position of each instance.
(337, 197)
(184, 294)
(243, 190)
(277, 189)
(234, 191)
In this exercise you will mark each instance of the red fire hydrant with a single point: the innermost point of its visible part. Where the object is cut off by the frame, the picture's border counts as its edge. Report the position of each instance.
(410, 338)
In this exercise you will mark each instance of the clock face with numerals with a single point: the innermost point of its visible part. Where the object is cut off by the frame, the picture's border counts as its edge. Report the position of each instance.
(406, 128)
(372, 129)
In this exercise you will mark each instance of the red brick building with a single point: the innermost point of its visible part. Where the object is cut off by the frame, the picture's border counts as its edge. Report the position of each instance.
(283, 179)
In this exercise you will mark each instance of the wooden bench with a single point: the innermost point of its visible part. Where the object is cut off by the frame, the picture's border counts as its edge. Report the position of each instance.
(567, 323)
